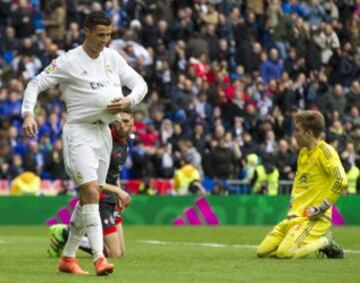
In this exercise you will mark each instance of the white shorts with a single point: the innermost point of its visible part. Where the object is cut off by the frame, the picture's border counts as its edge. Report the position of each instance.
(87, 150)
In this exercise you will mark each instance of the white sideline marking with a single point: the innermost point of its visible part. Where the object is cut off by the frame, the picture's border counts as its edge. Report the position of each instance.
(215, 245)
(352, 251)
(207, 245)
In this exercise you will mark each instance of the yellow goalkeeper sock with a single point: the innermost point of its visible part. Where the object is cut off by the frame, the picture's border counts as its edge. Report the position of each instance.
(311, 247)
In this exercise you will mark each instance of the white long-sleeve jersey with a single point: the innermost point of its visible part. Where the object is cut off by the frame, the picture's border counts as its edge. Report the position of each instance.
(87, 85)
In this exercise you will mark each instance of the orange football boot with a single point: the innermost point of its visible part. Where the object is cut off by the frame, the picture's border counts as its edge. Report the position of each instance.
(102, 267)
(70, 265)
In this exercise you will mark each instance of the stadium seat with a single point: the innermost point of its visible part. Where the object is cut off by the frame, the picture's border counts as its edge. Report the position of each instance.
(4, 187)
(208, 184)
(163, 186)
(132, 186)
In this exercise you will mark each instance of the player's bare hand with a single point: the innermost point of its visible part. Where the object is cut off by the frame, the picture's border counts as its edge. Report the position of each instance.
(119, 207)
(30, 127)
(118, 104)
(124, 198)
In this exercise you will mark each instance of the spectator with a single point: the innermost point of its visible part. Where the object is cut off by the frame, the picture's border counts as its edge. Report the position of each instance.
(328, 41)
(188, 152)
(54, 163)
(187, 180)
(16, 167)
(353, 97)
(149, 32)
(26, 184)
(9, 45)
(266, 178)
(163, 162)
(336, 100)
(55, 20)
(315, 13)
(21, 17)
(272, 68)
(34, 160)
(352, 174)
(72, 36)
(223, 161)
(212, 69)
(252, 58)
(166, 131)
(293, 7)
(285, 161)
(140, 158)
(269, 146)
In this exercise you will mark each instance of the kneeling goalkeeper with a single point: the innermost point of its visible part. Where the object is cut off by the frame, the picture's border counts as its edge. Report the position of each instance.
(319, 181)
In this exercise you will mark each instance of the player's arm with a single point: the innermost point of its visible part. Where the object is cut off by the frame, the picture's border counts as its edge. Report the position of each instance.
(330, 161)
(132, 80)
(52, 75)
(123, 197)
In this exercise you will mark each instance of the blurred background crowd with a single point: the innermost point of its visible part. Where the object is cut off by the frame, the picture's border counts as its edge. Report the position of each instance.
(225, 78)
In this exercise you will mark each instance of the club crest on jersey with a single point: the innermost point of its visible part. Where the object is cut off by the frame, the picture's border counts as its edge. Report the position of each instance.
(51, 68)
(108, 69)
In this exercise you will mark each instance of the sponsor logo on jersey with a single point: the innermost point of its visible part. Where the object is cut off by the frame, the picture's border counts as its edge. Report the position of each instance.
(100, 84)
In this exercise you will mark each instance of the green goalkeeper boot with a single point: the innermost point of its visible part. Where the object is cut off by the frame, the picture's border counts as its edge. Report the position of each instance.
(333, 249)
(58, 237)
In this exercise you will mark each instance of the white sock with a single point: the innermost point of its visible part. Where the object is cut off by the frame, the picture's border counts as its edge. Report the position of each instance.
(76, 233)
(93, 228)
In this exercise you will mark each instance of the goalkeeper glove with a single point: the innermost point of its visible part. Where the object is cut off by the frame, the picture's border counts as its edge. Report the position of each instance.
(315, 212)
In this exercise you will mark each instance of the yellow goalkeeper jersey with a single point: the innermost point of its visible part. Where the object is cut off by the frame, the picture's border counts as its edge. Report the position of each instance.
(320, 175)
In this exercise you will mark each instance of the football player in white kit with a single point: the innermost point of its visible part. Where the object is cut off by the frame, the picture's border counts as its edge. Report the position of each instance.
(90, 78)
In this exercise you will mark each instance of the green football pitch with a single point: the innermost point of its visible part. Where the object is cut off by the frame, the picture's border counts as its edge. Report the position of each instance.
(179, 254)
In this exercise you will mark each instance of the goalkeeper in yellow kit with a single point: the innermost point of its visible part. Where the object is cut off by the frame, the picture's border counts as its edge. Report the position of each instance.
(319, 181)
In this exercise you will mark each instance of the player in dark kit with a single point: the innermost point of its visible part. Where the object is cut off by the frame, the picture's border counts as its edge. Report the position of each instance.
(113, 199)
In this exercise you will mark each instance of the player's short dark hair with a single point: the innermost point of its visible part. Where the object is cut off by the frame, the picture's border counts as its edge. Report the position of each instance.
(96, 18)
(128, 110)
(311, 120)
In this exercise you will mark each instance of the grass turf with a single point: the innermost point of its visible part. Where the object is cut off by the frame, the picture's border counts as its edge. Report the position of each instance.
(181, 255)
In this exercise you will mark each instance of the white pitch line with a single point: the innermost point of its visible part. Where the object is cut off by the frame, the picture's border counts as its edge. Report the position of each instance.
(215, 245)
(352, 251)
(207, 245)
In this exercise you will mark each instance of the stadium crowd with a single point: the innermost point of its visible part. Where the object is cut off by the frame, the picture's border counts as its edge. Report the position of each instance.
(225, 79)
